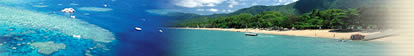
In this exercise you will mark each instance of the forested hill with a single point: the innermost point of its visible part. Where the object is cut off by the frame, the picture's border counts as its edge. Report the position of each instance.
(298, 8)
(305, 6)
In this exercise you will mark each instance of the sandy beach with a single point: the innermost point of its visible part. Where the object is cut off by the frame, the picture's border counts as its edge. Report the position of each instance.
(323, 33)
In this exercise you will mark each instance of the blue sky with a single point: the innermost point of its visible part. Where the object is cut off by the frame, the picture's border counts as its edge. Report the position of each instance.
(206, 7)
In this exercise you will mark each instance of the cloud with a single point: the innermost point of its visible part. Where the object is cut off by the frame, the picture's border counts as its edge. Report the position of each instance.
(212, 10)
(220, 6)
(254, 4)
(232, 3)
(197, 3)
(210, 5)
(281, 0)
(200, 9)
(228, 10)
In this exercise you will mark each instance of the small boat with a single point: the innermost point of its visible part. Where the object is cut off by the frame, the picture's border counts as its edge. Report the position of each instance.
(161, 31)
(68, 10)
(250, 34)
(138, 29)
(77, 36)
(73, 17)
(105, 5)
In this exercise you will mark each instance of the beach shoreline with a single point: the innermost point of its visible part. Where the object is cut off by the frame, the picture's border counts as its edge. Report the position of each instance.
(319, 33)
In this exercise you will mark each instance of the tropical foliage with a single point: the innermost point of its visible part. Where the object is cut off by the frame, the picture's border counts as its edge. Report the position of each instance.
(303, 14)
(327, 19)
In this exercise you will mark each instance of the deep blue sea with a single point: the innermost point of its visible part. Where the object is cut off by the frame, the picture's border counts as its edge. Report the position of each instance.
(26, 25)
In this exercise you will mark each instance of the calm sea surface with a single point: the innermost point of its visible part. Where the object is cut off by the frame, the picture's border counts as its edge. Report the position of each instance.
(224, 43)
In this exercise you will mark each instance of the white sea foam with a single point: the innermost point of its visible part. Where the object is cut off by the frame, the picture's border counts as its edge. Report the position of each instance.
(30, 19)
(96, 9)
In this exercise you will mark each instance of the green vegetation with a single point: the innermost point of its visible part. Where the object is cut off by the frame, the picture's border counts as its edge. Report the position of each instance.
(303, 14)
(331, 18)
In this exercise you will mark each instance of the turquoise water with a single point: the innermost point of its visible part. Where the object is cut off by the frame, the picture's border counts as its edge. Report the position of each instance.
(26, 26)
(21, 38)
(19, 28)
(223, 43)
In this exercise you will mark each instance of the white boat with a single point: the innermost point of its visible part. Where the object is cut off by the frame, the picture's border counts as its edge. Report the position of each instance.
(250, 34)
(138, 29)
(161, 31)
(68, 10)
(73, 17)
(105, 5)
(77, 36)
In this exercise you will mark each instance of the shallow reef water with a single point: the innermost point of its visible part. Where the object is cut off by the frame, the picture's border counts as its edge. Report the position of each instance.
(24, 33)
(26, 18)
(97, 30)
(16, 41)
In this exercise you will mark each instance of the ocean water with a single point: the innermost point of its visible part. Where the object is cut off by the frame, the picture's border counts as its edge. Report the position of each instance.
(224, 43)
(103, 31)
